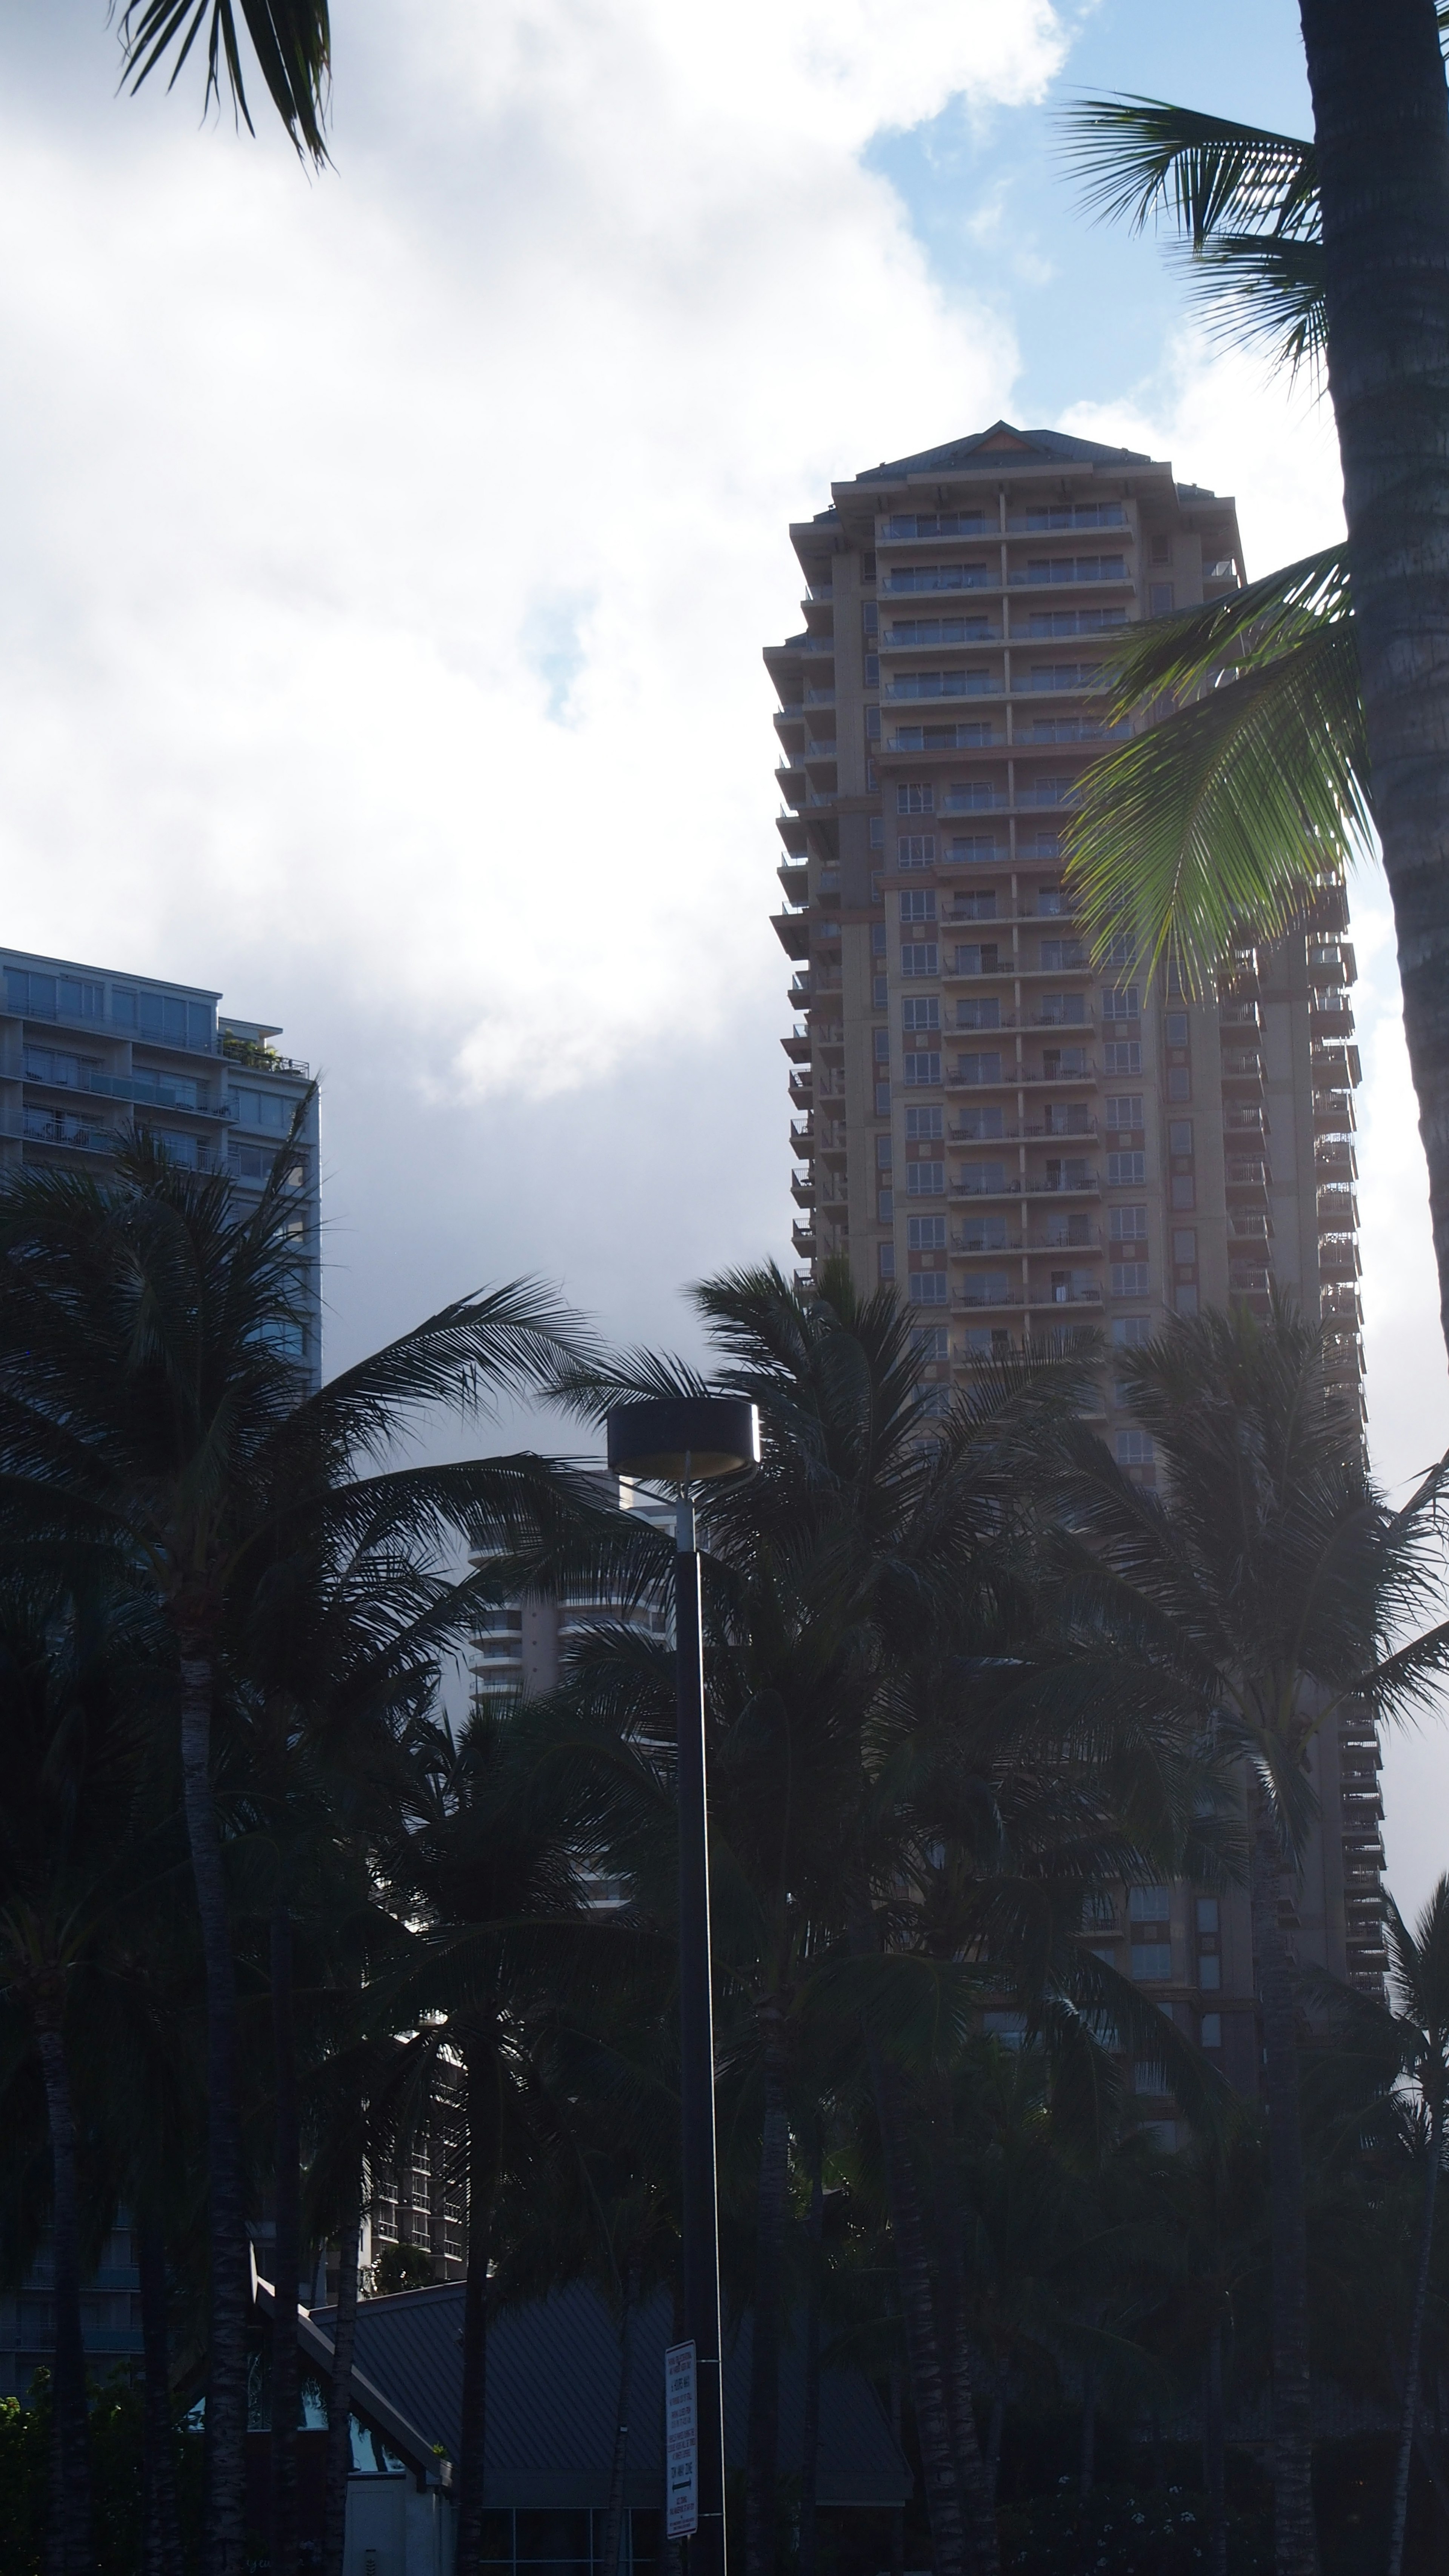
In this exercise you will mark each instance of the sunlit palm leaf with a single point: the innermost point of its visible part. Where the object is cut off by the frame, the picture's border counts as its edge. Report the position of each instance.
(290, 38)
(1222, 816)
(1172, 656)
(1262, 288)
(1142, 157)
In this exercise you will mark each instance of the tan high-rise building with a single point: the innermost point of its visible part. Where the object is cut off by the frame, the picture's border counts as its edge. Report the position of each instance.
(1019, 1141)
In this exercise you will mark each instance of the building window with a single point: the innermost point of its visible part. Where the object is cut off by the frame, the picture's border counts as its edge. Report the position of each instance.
(931, 1342)
(882, 1153)
(877, 832)
(886, 1260)
(882, 1100)
(927, 1288)
(915, 796)
(1134, 1449)
(1186, 1301)
(1122, 1055)
(869, 619)
(1179, 1136)
(918, 903)
(922, 1013)
(885, 1206)
(1130, 1279)
(1131, 1332)
(1129, 1225)
(916, 850)
(925, 1180)
(1125, 1110)
(1184, 1193)
(1210, 2030)
(1126, 1171)
(1160, 599)
(1121, 1002)
(924, 1125)
(882, 1045)
(921, 957)
(880, 992)
(922, 1070)
(1179, 1082)
(926, 1234)
(872, 724)
(1175, 1027)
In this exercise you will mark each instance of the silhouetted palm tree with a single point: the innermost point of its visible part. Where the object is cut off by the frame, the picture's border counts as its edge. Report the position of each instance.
(1272, 1584)
(148, 1407)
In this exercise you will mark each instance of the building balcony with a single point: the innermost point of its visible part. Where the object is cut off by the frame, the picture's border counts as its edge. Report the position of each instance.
(803, 1239)
(802, 1189)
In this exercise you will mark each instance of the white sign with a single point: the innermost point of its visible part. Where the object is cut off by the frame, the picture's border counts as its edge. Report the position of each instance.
(681, 2443)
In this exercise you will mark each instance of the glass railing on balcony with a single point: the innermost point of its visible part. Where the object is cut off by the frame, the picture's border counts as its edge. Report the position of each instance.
(1056, 569)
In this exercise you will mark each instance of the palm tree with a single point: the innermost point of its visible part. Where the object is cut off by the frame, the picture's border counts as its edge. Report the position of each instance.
(1419, 1969)
(1270, 1583)
(147, 1408)
(1339, 246)
(861, 1594)
(291, 40)
(74, 1738)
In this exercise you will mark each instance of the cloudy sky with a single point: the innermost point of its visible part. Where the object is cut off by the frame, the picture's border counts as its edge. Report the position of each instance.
(385, 558)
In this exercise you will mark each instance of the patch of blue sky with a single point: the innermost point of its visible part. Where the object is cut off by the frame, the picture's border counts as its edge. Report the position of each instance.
(553, 649)
(1000, 219)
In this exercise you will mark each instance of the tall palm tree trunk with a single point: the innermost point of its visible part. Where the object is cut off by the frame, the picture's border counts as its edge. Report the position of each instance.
(287, 2254)
(978, 2486)
(482, 2112)
(224, 2530)
(69, 2549)
(1214, 2453)
(339, 2395)
(1294, 2538)
(762, 2461)
(161, 2521)
(809, 2542)
(934, 2428)
(1087, 2463)
(1381, 125)
(1416, 2342)
(619, 2466)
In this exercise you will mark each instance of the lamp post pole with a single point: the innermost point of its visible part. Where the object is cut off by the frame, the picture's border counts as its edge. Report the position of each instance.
(696, 2050)
(686, 1442)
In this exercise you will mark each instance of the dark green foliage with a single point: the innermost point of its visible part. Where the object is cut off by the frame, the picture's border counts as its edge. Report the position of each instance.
(116, 2456)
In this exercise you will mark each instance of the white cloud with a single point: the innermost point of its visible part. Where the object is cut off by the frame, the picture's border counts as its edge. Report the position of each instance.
(596, 298)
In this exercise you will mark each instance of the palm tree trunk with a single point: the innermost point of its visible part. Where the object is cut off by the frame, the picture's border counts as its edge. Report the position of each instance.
(809, 2542)
(1381, 126)
(224, 2529)
(762, 2459)
(976, 2484)
(482, 2174)
(287, 2253)
(934, 2429)
(339, 2395)
(161, 2522)
(69, 2550)
(994, 2432)
(1416, 2341)
(898, 2512)
(1087, 2469)
(1295, 2541)
(619, 2466)
(1214, 2453)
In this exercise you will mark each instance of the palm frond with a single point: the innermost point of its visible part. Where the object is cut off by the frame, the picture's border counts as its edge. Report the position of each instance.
(291, 40)
(1142, 157)
(1172, 657)
(1224, 816)
(1261, 289)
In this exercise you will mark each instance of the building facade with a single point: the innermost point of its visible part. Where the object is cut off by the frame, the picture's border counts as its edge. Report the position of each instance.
(87, 1052)
(1018, 1140)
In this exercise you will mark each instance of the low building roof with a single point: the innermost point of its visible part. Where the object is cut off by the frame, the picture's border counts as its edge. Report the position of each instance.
(553, 2387)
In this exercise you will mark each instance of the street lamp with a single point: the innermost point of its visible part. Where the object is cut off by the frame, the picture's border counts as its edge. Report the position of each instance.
(684, 1442)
